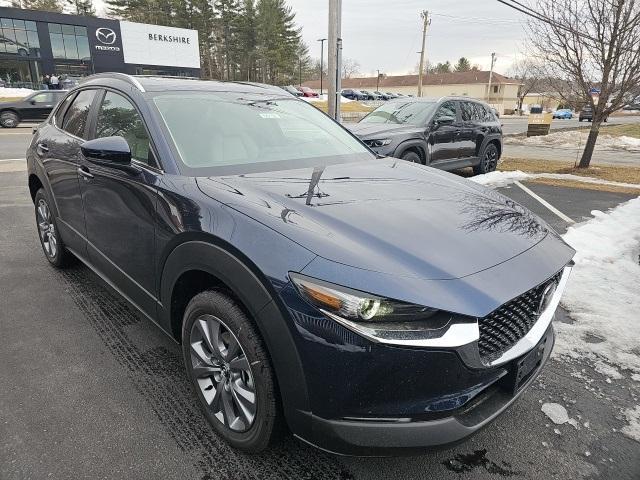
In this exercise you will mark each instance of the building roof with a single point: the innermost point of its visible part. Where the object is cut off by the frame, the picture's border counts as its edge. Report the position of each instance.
(453, 78)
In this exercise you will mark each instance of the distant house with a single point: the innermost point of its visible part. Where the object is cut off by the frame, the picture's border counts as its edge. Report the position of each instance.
(474, 84)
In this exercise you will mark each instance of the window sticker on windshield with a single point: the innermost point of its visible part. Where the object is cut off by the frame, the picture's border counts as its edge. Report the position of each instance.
(269, 115)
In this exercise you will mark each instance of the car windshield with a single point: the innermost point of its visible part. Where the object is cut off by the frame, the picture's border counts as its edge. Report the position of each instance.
(232, 133)
(403, 112)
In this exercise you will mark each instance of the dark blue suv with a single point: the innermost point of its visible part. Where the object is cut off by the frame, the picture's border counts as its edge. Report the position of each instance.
(372, 305)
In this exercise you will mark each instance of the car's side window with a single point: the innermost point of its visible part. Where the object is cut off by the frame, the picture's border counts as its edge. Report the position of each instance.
(43, 98)
(446, 110)
(118, 117)
(468, 111)
(61, 109)
(479, 113)
(75, 120)
(489, 115)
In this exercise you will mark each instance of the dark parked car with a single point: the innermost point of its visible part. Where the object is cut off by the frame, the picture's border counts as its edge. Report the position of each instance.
(370, 95)
(292, 90)
(353, 94)
(587, 114)
(448, 133)
(374, 305)
(33, 108)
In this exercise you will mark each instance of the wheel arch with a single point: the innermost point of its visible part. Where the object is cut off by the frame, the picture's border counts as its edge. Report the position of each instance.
(416, 145)
(211, 264)
(12, 110)
(35, 184)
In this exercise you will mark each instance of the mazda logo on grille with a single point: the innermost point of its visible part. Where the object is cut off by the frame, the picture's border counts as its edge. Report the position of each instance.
(106, 36)
(547, 295)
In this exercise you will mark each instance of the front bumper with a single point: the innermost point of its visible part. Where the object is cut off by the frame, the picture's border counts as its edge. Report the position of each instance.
(378, 437)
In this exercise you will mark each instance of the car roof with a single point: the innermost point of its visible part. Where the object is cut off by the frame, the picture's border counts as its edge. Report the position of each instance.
(162, 84)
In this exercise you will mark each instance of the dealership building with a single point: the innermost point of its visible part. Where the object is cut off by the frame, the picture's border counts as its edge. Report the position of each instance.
(36, 43)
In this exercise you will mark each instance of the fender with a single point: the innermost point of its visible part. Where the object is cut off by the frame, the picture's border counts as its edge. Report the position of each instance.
(489, 138)
(415, 142)
(261, 300)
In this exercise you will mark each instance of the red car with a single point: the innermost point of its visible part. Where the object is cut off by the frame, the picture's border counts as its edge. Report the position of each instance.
(308, 92)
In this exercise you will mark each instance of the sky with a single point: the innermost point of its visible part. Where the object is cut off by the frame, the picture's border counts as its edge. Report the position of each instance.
(386, 34)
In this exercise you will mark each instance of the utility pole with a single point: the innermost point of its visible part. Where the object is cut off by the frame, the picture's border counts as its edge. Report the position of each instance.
(321, 40)
(335, 57)
(378, 81)
(425, 27)
(493, 62)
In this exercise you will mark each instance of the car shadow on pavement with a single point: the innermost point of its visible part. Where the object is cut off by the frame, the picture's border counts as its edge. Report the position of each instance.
(156, 369)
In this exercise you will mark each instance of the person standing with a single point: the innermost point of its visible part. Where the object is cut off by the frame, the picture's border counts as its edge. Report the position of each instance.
(46, 81)
(55, 82)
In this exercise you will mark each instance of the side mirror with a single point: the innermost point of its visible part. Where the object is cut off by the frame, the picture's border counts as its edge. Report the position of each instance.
(32, 102)
(444, 121)
(109, 151)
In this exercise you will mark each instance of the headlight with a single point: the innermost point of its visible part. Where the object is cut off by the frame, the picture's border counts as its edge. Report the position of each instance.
(377, 143)
(383, 320)
(358, 306)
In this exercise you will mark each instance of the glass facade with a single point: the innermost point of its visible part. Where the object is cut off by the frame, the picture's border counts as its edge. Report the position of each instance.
(19, 37)
(69, 42)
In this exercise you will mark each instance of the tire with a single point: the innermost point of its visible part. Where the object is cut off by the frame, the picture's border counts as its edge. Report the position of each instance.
(9, 119)
(225, 381)
(48, 233)
(411, 156)
(488, 160)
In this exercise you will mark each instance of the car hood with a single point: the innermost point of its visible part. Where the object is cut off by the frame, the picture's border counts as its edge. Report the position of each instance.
(380, 130)
(385, 215)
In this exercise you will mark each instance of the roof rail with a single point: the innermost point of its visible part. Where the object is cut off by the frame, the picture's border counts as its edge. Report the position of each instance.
(122, 76)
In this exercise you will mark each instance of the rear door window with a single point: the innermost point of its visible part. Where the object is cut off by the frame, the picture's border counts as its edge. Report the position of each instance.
(77, 116)
(62, 109)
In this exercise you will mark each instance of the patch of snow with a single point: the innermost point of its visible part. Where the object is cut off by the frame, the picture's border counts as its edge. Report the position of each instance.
(587, 453)
(556, 431)
(15, 92)
(633, 429)
(602, 292)
(502, 179)
(576, 139)
(635, 377)
(574, 423)
(499, 178)
(325, 98)
(556, 412)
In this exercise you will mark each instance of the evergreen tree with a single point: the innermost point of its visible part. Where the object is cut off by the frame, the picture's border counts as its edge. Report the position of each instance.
(227, 15)
(45, 5)
(463, 65)
(82, 7)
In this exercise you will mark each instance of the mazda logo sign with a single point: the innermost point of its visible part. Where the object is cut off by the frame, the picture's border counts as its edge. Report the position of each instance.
(547, 296)
(106, 36)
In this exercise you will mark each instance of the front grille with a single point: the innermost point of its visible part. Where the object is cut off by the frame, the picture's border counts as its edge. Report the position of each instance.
(504, 327)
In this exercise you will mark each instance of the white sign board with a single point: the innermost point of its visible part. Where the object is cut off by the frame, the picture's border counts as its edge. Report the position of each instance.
(155, 45)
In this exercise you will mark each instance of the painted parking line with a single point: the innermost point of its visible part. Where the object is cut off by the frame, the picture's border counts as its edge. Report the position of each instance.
(12, 160)
(546, 204)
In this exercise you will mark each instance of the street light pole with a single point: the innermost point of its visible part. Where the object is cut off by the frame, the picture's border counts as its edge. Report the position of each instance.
(321, 40)
(378, 81)
(334, 46)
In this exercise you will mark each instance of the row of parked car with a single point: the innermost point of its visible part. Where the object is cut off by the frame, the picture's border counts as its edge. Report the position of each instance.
(350, 93)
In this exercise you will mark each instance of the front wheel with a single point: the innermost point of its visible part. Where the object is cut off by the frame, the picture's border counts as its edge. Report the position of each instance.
(230, 371)
(9, 120)
(411, 157)
(488, 160)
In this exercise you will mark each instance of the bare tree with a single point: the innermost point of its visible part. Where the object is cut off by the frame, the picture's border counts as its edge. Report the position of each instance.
(350, 68)
(587, 45)
(530, 73)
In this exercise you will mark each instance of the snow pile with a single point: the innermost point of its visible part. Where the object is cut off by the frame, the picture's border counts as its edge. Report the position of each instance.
(556, 412)
(576, 139)
(502, 179)
(633, 429)
(603, 292)
(499, 178)
(14, 92)
(325, 98)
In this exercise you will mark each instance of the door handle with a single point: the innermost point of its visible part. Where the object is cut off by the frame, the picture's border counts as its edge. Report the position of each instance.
(42, 148)
(85, 173)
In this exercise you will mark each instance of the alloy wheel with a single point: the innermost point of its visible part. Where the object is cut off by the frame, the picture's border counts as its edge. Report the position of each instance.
(47, 229)
(223, 374)
(490, 160)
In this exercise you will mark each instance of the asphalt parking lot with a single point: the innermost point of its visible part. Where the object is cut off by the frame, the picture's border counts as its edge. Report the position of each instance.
(93, 390)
